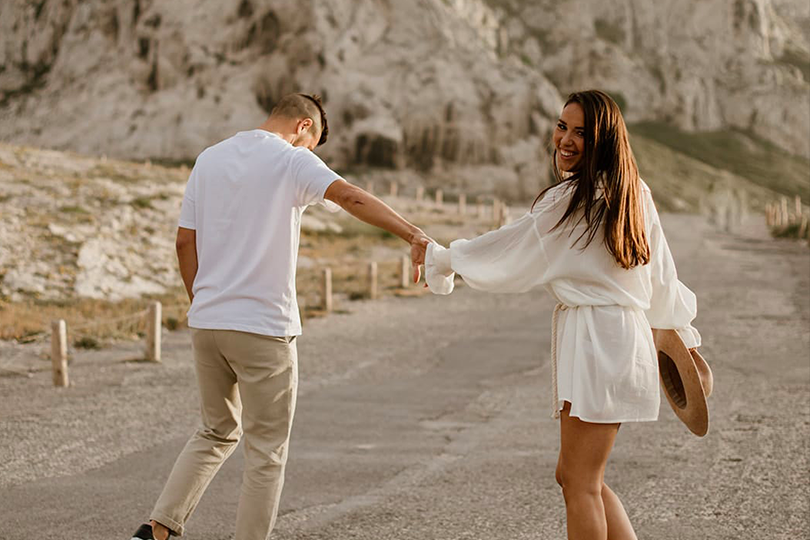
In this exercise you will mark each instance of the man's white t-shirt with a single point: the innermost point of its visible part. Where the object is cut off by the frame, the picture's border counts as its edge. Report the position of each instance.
(245, 197)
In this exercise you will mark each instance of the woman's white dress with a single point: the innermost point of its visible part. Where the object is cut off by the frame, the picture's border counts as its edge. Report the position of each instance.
(606, 364)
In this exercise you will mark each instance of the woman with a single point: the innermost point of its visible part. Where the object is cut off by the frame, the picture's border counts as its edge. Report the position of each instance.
(594, 241)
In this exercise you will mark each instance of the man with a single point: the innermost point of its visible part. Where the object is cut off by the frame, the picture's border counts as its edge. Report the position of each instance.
(237, 245)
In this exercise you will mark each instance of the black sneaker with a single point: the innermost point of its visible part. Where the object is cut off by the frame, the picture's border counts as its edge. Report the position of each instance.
(144, 532)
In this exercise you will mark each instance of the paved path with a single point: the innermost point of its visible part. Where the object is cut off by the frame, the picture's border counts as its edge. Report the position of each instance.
(427, 419)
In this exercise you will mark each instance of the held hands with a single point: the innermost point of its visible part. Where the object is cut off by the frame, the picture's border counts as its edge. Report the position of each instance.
(419, 243)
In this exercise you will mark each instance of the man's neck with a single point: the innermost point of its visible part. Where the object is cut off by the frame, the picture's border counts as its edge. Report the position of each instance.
(279, 128)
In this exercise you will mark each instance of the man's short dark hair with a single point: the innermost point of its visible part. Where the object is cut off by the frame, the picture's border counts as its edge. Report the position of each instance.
(303, 106)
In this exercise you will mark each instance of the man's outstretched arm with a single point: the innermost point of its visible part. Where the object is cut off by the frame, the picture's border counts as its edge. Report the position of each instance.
(186, 245)
(366, 207)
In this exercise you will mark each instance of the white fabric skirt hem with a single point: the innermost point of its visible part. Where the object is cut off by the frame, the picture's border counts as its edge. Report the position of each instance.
(561, 404)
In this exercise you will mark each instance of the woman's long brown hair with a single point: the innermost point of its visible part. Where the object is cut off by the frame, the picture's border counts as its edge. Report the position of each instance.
(607, 162)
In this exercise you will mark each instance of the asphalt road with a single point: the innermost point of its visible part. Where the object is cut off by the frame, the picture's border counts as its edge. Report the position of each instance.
(428, 419)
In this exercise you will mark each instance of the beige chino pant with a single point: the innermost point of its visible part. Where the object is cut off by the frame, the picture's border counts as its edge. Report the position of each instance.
(248, 382)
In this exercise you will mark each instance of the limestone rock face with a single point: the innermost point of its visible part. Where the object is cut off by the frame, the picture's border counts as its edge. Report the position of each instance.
(701, 65)
(73, 226)
(407, 85)
(453, 88)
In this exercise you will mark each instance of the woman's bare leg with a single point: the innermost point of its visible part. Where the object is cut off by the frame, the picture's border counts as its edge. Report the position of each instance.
(590, 504)
(619, 527)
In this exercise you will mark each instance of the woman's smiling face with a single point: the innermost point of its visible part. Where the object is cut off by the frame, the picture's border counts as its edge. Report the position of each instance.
(569, 137)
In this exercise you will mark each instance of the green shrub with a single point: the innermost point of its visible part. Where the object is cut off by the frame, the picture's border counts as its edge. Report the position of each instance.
(87, 342)
(73, 210)
(142, 202)
(741, 153)
(610, 32)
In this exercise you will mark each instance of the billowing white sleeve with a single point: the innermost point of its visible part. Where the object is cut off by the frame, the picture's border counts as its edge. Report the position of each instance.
(508, 260)
(439, 276)
(673, 305)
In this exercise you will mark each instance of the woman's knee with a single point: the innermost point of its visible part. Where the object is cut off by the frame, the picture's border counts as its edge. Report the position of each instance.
(578, 481)
(580, 490)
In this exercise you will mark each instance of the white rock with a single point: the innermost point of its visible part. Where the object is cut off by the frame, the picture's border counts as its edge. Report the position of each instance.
(306, 262)
(18, 279)
(312, 224)
(62, 232)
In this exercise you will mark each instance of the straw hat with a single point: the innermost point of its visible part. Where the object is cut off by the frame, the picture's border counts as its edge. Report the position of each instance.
(686, 378)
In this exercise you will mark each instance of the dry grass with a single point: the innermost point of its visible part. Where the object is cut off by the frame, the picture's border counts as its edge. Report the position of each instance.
(30, 320)
(348, 255)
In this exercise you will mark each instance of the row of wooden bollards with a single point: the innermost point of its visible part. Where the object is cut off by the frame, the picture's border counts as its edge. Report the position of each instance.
(779, 217)
(59, 343)
(372, 282)
(499, 208)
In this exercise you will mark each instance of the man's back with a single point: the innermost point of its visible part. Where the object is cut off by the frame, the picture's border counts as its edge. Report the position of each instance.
(237, 245)
(244, 198)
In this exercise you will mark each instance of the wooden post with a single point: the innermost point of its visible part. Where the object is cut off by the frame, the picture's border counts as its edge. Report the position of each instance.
(370, 186)
(462, 204)
(482, 210)
(798, 202)
(803, 227)
(496, 212)
(394, 188)
(420, 193)
(769, 215)
(372, 280)
(405, 271)
(784, 218)
(59, 353)
(327, 290)
(439, 198)
(154, 326)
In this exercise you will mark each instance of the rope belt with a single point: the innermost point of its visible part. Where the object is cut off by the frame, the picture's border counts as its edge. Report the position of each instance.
(554, 391)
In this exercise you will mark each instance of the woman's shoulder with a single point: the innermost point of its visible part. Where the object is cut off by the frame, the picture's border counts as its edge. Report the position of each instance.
(645, 189)
(554, 195)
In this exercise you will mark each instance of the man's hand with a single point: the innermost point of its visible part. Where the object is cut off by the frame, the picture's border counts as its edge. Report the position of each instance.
(187, 258)
(419, 243)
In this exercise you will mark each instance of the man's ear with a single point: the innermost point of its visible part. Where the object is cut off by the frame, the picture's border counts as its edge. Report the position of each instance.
(304, 125)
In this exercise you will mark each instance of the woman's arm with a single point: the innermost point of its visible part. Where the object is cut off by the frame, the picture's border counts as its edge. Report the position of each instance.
(508, 260)
(672, 304)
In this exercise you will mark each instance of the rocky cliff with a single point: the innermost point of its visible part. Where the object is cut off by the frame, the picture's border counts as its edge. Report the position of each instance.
(465, 90)
(407, 84)
(700, 65)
